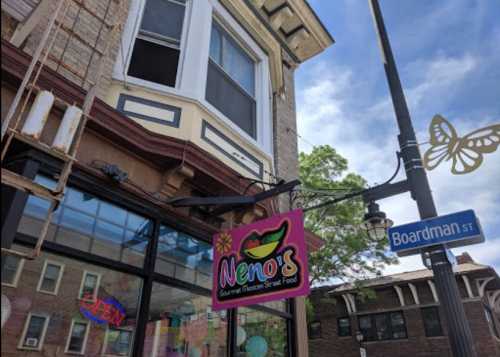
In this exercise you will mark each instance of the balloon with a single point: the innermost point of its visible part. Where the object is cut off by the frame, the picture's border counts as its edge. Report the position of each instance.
(241, 336)
(256, 346)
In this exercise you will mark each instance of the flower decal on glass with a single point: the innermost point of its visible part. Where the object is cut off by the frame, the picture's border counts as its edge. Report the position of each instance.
(224, 243)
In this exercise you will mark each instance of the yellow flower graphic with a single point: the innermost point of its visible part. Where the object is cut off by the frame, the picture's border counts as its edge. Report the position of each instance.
(224, 243)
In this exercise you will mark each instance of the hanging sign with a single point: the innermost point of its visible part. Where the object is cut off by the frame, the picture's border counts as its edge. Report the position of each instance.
(260, 262)
(454, 230)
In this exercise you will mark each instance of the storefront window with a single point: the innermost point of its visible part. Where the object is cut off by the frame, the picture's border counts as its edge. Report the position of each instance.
(182, 323)
(90, 224)
(184, 257)
(260, 334)
(53, 323)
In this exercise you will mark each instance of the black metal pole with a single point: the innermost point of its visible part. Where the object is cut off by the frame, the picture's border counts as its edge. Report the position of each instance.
(459, 333)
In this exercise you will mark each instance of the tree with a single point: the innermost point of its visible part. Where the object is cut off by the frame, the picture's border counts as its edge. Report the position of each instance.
(348, 252)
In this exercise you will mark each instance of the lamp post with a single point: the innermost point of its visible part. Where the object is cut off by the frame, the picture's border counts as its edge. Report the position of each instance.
(459, 331)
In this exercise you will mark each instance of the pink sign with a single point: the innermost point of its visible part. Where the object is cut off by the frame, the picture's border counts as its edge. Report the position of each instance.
(260, 262)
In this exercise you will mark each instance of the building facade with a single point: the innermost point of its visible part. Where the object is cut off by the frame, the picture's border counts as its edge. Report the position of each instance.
(405, 318)
(196, 99)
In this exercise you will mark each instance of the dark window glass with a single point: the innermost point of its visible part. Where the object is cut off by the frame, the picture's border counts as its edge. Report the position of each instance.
(155, 57)
(154, 62)
(386, 326)
(184, 257)
(50, 278)
(315, 330)
(344, 326)
(432, 322)
(9, 268)
(34, 331)
(77, 338)
(90, 224)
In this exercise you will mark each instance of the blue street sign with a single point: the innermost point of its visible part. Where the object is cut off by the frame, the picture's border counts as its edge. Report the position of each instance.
(456, 229)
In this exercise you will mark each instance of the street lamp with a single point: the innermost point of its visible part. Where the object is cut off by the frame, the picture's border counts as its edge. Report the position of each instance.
(359, 337)
(375, 222)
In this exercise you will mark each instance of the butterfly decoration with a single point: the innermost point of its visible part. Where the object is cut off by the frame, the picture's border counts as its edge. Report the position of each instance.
(466, 153)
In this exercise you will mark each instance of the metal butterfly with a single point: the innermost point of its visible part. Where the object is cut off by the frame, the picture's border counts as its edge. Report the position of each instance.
(466, 153)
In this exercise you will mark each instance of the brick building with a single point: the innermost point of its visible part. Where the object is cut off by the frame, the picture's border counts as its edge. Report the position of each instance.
(195, 99)
(405, 317)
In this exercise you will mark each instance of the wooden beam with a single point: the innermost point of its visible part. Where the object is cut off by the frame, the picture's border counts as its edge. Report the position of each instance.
(414, 292)
(466, 280)
(24, 28)
(432, 286)
(399, 292)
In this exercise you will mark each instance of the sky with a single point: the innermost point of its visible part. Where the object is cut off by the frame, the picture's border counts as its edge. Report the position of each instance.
(448, 57)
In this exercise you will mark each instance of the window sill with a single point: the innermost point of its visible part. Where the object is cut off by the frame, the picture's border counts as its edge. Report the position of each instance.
(53, 293)
(202, 103)
(9, 285)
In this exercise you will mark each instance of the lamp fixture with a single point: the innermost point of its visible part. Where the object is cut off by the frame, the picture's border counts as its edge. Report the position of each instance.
(375, 222)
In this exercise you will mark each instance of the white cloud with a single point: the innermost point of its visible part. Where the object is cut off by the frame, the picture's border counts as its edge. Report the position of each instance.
(327, 114)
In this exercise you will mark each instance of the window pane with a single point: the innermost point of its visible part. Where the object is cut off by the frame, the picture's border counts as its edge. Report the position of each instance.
(383, 327)
(227, 96)
(315, 330)
(163, 17)
(216, 46)
(89, 285)
(34, 331)
(77, 337)
(50, 278)
(153, 62)
(344, 326)
(261, 334)
(116, 306)
(9, 268)
(183, 257)
(182, 323)
(238, 65)
(116, 234)
(432, 323)
(398, 325)
(118, 342)
(366, 328)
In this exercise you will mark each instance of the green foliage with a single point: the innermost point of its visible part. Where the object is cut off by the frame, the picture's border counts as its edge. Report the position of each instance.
(348, 253)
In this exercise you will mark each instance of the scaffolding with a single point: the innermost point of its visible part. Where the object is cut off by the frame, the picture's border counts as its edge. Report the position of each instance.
(11, 124)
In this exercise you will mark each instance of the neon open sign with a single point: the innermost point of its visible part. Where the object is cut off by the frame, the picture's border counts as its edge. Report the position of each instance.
(103, 311)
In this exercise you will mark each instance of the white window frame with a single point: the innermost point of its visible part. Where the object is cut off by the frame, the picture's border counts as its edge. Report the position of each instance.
(96, 291)
(105, 344)
(17, 275)
(25, 331)
(59, 278)
(84, 346)
(193, 65)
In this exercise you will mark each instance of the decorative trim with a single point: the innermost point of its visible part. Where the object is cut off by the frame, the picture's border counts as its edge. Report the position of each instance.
(432, 286)
(239, 155)
(347, 304)
(414, 292)
(401, 297)
(481, 284)
(466, 280)
(125, 99)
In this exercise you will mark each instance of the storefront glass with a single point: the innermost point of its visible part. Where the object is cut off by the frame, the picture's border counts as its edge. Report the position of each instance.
(182, 323)
(90, 224)
(260, 334)
(58, 310)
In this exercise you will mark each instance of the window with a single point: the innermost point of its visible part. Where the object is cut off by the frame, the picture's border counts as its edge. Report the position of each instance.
(90, 224)
(11, 270)
(315, 330)
(491, 321)
(118, 342)
(89, 286)
(432, 322)
(182, 323)
(344, 326)
(51, 277)
(156, 52)
(231, 80)
(386, 326)
(34, 332)
(184, 257)
(77, 338)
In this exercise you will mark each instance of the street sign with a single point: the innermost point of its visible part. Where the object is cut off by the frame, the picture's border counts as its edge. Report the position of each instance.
(454, 230)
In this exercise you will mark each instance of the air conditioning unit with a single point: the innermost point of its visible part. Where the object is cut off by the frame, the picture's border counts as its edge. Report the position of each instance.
(31, 342)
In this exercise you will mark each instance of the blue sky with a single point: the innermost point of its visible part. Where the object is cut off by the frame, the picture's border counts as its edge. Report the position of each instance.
(448, 56)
